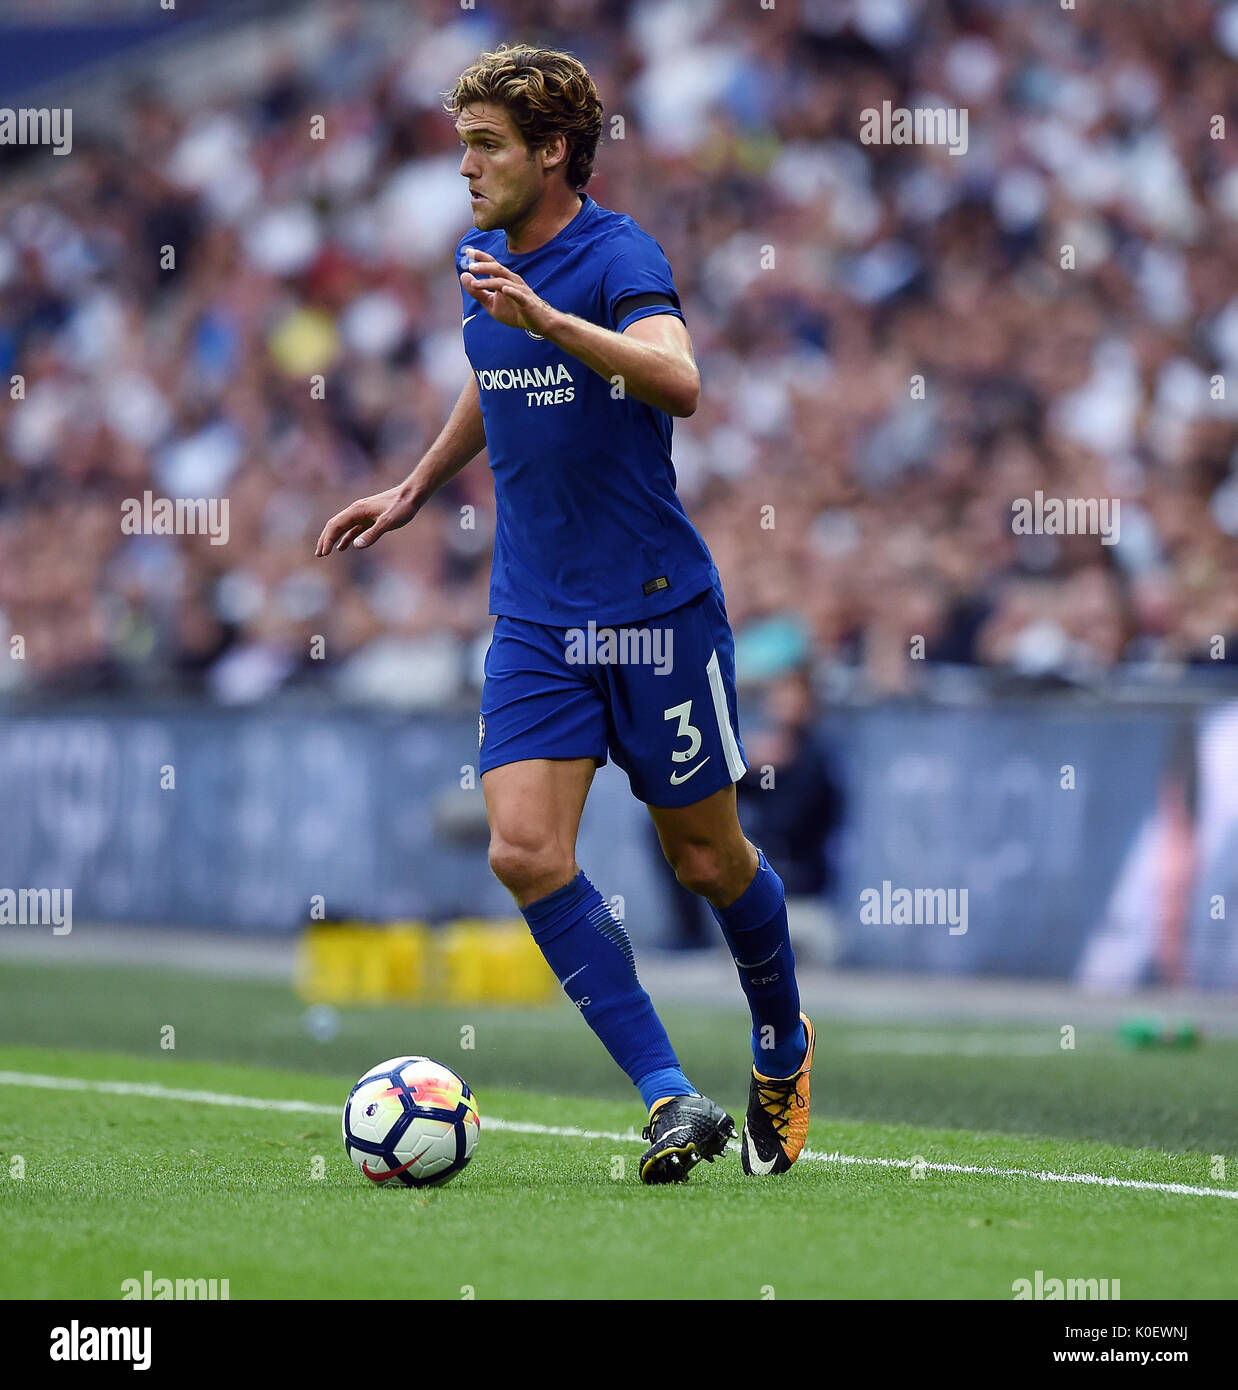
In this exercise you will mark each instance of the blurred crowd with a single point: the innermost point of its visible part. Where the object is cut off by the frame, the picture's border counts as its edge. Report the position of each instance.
(895, 343)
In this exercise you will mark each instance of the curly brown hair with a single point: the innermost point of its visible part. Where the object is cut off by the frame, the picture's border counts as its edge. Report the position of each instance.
(546, 92)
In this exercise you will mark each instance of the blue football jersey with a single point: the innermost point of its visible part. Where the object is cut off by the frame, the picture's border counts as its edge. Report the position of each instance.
(588, 522)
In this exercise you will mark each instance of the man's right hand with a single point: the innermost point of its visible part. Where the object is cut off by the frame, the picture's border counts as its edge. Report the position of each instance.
(366, 520)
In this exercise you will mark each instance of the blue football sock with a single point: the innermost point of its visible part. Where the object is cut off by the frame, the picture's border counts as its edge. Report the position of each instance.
(755, 927)
(591, 956)
(665, 1082)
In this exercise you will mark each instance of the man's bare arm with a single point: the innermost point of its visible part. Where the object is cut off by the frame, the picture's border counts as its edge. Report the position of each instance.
(460, 440)
(652, 357)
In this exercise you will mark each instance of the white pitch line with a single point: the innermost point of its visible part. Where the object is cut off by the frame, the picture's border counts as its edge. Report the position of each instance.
(153, 1091)
(156, 1092)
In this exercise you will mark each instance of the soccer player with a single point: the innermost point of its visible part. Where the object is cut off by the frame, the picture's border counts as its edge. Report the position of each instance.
(611, 634)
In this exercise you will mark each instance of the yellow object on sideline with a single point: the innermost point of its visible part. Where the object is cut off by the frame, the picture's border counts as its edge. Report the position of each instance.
(470, 961)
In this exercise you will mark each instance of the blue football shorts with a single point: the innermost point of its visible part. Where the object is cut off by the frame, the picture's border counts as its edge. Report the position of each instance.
(658, 695)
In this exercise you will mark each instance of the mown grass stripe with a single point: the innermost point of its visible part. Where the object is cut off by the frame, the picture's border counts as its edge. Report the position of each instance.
(153, 1091)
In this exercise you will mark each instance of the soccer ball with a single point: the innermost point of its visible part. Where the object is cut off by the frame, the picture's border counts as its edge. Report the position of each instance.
(412, 1120)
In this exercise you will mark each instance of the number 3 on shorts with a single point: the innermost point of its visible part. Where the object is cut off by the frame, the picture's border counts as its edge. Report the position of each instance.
(685, 730)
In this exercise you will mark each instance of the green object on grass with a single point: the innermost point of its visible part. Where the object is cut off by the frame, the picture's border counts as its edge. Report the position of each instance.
(1156, 1032)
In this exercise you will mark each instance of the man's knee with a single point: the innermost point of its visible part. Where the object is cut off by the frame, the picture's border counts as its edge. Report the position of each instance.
(529, 866)
(700, 868)
(717, 871)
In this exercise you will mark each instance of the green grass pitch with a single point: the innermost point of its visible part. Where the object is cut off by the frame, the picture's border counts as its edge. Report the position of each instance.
(117, 1183)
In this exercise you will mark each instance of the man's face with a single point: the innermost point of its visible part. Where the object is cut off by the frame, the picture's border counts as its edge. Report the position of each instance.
(505, 177)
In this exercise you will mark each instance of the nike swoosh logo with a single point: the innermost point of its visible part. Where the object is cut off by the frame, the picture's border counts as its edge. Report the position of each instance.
(756, 1164)
(573, 975)
(391, 1172)
(662, 1138)
(675, 780)
(469, 320)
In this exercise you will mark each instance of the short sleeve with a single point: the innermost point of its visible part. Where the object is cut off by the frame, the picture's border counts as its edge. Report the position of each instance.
(639, 274)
